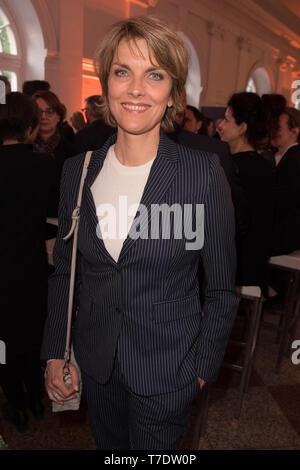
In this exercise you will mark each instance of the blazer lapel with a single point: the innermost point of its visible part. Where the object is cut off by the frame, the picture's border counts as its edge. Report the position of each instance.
(88, 208)
(163, 171)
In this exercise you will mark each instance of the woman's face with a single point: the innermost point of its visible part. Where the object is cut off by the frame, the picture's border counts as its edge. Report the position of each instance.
(138, 91)
(229, 130)
(49, 118)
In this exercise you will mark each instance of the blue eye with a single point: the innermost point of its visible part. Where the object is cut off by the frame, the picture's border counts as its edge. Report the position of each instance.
(156, 76)
(120, 73)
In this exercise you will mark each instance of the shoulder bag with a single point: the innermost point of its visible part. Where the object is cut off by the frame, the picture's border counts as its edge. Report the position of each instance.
(74, 403)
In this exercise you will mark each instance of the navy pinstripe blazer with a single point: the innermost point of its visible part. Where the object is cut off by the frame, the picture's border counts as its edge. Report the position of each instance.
(146, 307)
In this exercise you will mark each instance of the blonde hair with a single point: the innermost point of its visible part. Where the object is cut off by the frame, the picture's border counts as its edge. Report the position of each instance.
(164, 45)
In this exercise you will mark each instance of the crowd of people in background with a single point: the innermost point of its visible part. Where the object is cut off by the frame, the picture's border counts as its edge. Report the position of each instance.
(258, 144)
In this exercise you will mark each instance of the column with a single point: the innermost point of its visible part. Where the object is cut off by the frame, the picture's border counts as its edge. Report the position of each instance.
(70, 53)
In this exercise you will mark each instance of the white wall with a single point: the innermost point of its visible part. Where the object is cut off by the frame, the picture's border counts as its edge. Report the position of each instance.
(230, 41)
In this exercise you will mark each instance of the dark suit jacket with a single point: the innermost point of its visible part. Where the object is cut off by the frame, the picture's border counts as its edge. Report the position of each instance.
(286, 234)
(146, 308)
(27, 180)
(64, 150)
(207, 144)
(255, 203)
(93, 136)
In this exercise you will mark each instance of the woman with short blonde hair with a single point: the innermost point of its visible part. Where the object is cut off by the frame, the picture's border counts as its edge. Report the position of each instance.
(164, 45)
(143, 346)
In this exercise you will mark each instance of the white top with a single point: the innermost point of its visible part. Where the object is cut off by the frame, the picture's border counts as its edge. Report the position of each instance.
(117, 193)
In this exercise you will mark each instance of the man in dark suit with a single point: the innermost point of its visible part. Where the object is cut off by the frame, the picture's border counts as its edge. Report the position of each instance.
(286, 234)
(201, 142)
(93, 136)
(205, 143)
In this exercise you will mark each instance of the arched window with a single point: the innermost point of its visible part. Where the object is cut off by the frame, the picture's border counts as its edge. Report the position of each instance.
(193, 83)
(9, 62)
(259, 82)
(251, 86)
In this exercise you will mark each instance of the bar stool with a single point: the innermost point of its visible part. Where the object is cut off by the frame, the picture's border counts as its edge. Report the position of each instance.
(3, 445)
(254, 296)
(289, 316)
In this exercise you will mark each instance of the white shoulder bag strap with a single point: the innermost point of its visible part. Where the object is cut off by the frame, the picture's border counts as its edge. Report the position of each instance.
(74, 232)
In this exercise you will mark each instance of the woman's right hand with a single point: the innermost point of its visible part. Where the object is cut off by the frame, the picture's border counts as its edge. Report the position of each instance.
(56, 388)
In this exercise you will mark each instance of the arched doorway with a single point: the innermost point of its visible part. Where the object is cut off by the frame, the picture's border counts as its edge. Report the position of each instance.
(193, 83)
(259, 82)
(9, 54)
(28, 61)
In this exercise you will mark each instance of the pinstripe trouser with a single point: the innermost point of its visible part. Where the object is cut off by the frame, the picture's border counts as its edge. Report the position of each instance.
(123, 420)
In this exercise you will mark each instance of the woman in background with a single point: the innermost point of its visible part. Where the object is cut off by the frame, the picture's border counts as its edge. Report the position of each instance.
(27, 181)
(51, 138)
(243, 128)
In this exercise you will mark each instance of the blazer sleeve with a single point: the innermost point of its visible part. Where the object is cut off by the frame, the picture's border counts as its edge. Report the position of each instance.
(219, 263)
(54, 338)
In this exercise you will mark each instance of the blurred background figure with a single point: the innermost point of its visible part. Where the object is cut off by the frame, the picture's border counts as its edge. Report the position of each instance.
(51, 138)
(195, 121)
(243, 127)
(66, 130)
(274, 105)
(283, 152)
(27, 181)
(210, 126)
(4, 79)
(201, 142)
(94, 135)
(30, 87)
(92, 109)
(286, 233)
(77, 121)
(218, 128)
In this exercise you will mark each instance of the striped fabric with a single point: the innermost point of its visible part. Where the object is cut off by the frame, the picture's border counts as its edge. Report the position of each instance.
(123, 420)
(146, 308)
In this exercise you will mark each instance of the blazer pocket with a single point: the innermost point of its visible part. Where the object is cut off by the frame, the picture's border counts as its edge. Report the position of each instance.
(176, 309)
